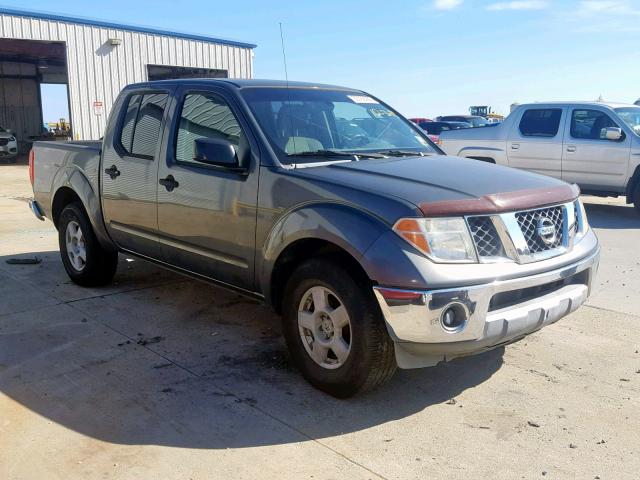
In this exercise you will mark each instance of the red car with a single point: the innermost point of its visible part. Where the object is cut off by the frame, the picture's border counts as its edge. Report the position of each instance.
(419, 120)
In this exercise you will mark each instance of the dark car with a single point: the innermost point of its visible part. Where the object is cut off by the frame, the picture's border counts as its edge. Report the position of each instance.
(434, 129)
(474, 120)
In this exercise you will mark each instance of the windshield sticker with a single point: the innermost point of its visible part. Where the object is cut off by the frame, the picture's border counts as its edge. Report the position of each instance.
(361, 99)
(381, 113)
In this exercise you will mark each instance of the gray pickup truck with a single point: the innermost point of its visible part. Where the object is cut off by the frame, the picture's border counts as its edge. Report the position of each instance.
(377, 249)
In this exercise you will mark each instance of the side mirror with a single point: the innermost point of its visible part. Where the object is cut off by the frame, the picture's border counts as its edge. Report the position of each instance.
(215, 151)
(613, 133)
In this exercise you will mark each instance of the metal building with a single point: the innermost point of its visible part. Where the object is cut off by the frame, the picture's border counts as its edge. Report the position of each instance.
(95, 59)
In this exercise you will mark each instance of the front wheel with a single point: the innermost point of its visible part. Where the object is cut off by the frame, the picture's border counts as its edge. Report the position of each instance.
(335, 330)
(636, 198)
(87, 263)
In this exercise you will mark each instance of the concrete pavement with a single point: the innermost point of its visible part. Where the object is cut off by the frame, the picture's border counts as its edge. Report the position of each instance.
(159, 376)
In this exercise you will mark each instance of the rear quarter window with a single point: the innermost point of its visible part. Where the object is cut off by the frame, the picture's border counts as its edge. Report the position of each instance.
(540, 122)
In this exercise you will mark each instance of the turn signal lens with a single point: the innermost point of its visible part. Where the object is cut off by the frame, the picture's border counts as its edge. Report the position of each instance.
(441, 239)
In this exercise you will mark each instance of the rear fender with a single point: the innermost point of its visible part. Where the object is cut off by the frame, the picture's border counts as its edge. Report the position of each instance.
(76, 179)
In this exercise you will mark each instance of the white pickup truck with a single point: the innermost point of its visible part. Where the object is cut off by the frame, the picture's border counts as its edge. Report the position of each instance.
(593, 144)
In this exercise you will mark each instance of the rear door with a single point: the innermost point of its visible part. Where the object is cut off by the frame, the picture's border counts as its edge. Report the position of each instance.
(535, 141)
(207, 213)
(130, 172)
(588, 158)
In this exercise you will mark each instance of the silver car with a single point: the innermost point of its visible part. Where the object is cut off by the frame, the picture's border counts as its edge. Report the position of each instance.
(8, 144)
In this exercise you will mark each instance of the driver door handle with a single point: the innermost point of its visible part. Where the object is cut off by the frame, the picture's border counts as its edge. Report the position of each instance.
(112, 171)
(169, 183)
(571, 148)
(515, 146)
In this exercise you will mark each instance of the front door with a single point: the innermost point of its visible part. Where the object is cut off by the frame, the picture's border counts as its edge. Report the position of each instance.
(207, 212)
(589, 159)
(130, 172)
(535, 142)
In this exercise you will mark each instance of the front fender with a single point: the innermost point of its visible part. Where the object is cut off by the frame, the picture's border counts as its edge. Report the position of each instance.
(348, 227)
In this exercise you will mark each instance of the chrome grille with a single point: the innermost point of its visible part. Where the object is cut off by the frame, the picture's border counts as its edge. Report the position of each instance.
(528, 222)
(576, 206)
(4, 141)
(485, 237)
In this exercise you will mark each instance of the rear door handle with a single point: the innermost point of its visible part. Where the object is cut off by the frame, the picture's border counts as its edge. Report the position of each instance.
(112, 171)
(169, 183)
(515, 146)
(571, 148)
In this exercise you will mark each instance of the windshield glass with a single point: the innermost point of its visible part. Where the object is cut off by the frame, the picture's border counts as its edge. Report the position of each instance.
(478, 121)
(299, 120)
(630, 116)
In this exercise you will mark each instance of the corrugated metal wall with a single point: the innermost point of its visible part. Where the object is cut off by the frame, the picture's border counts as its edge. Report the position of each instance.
(98, 70)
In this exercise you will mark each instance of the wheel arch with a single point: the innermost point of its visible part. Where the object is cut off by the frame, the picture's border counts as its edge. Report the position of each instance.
(304, 249)
(633, 184)
(337, 231)
(74, 186)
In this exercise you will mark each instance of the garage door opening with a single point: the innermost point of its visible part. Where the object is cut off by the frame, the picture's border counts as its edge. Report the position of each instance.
(55, 110)
(24, 66)
(167, 72)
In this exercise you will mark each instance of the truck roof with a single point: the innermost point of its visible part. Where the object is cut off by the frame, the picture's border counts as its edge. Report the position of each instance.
(243, 83)
(580, 102)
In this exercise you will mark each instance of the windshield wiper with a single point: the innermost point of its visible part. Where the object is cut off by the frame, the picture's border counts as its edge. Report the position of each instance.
(402, 153)
(336, 153)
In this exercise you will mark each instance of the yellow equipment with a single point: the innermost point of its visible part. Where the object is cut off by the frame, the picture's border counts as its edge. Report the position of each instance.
(486, 112)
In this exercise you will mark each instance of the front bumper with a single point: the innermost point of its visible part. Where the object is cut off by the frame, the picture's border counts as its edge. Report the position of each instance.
(498, 313)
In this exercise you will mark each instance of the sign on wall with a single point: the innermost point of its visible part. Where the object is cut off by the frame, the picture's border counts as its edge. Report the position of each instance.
(98, 107)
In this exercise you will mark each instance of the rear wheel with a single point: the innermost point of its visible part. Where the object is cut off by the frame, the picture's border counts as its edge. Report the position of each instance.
(335, 330)
(84, 259)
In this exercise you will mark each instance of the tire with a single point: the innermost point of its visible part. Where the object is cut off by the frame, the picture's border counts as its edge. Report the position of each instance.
(636, 198)
(370, 359)
(88, 265)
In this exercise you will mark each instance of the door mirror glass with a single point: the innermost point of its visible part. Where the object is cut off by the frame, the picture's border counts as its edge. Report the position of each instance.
(613, 133)
(215, 151)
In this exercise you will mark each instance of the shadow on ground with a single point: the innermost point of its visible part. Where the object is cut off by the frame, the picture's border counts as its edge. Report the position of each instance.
(161, 359)
(612, 216)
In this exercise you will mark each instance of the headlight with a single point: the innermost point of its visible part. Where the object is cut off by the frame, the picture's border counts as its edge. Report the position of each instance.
(441, 239)
(12, 139)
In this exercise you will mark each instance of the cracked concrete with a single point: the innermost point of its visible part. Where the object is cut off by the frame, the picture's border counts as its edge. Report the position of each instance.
(159, 376)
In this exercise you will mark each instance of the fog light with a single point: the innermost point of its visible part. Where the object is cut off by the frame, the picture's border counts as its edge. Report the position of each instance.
(454, 317)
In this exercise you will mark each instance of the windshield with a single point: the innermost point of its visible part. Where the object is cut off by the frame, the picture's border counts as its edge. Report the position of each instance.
(630, 116)
(303, 120)
(477, 121)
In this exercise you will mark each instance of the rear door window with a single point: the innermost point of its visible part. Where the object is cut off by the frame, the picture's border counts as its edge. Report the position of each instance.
(540, 122)
(590, 124)
(129, 122)
(140, 131)
(147, 130)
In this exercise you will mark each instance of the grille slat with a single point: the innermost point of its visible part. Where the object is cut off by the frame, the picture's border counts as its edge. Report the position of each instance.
(4, 141)
(528, 222)
(485, 237)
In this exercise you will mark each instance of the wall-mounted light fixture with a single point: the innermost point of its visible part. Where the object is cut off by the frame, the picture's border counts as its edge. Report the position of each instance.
(114, 42)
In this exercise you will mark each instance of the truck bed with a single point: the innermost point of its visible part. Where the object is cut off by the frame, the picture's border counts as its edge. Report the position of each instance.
(56, 164)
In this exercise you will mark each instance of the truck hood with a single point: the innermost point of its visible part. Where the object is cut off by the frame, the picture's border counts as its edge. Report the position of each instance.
(442, 185)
